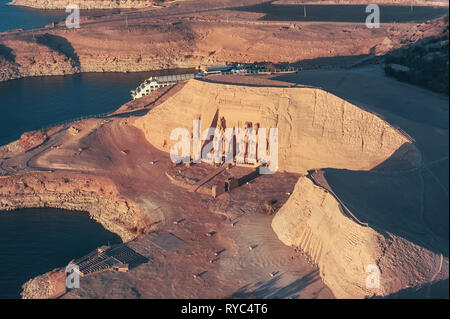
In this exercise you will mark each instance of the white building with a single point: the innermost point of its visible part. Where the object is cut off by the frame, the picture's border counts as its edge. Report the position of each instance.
(154, 83)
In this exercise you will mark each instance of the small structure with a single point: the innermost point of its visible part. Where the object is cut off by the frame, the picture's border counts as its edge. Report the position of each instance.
(254, 68)
(154, 83)
(121, 267)
(218, 189)
(218, 252)
(398, 67)
(119, 258)
(102, 249)
(117, 265)
(273, 273)
(224, 68)
(178, 221)
(231, 183)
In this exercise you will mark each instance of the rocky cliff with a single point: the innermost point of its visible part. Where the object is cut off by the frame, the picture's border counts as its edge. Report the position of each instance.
(96, 195)
(345, 250)
(315, 128)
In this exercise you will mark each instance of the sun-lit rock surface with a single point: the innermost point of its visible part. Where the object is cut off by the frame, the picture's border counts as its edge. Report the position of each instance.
(143, 41)
(98, 196)
(314, 220)
(315, 128)
(118, 169)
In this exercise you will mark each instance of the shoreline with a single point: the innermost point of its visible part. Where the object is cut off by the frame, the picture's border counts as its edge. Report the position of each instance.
(197, 41)
(73, 190)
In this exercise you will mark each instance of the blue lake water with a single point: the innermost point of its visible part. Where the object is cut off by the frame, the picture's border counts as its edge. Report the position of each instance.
(32, 103)
(344, 13)
(14, 17)
(35, 241)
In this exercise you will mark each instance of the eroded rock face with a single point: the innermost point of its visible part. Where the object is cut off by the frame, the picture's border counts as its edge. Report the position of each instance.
(96, 195)
(313, 220)
(315, 128)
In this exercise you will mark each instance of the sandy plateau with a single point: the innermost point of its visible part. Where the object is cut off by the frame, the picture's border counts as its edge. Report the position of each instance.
(362, 179)
(186, 35)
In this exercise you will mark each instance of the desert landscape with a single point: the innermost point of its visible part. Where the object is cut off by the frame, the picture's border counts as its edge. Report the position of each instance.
(361, 179)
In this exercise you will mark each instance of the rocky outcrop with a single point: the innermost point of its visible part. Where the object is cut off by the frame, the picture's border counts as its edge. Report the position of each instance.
(315, 128)
(97, 195)
(27, 141)
(347, 252)
(36, 59)
(126, 43)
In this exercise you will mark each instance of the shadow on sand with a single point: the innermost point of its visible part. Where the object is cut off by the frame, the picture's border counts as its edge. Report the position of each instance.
(7, 53)
(60, 45)
(272, 289)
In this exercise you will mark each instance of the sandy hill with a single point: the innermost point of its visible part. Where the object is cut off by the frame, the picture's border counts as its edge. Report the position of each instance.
(84, 4)
(316, 130)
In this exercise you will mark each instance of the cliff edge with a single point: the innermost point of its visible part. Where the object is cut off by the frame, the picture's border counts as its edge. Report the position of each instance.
(316, 129)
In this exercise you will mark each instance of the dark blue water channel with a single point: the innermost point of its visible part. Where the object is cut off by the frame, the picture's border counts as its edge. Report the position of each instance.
(35, 241)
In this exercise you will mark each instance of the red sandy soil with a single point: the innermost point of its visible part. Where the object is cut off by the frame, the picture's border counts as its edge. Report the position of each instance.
(109, 168)
(170, 274)
(185, 34)
(100, 4)
(118, 151)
